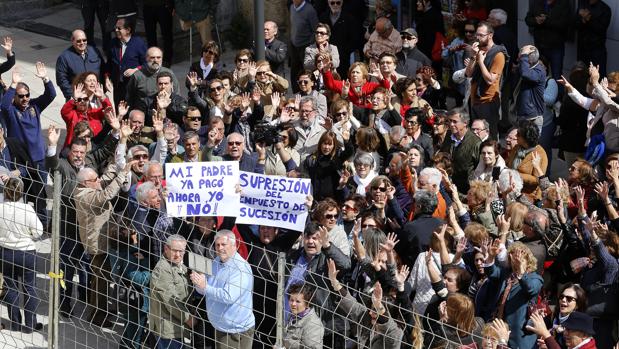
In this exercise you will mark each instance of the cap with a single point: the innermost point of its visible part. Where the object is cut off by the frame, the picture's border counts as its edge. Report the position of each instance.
(578, 321)
(409, 31)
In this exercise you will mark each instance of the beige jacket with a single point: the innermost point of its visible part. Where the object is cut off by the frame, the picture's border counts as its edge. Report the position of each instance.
(169, 289)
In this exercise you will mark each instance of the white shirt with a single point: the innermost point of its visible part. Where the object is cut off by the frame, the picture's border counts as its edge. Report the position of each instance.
(19, 226)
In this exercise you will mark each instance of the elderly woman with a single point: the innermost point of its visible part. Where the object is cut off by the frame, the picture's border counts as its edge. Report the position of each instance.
(359, 182)
(490, 164)
(88, 103)
(19, 228)
(321, 45)
(520, 285)
(368, 140)
(479, 208)
(413, 119)
(266, 81)
(205, 67)
(529, 159)
(304, 329)
(581, 174)
(243, 60)
(357, 88)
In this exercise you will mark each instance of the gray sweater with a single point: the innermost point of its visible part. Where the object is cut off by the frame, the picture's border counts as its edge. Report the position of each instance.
(302, 25)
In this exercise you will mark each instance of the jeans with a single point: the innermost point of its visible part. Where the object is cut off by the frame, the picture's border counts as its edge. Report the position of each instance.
(21, 265)
(163, 343)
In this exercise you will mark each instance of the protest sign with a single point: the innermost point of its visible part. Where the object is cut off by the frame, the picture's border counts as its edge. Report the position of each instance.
(273, 200)
(202, 189)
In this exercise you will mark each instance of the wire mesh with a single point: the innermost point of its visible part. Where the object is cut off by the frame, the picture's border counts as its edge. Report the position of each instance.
(116, 288)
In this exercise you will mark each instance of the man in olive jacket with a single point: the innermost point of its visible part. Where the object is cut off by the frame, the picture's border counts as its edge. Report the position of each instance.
(463, 147)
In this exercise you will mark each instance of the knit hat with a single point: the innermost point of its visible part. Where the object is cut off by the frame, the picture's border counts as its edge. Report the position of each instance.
(579, 322)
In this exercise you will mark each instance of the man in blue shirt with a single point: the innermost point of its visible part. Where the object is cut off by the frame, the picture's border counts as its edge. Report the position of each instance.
(228, 293)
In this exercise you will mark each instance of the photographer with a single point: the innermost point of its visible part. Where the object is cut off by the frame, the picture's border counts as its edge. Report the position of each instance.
(282, 157)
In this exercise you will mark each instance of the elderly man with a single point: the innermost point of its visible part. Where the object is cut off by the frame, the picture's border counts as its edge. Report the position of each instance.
(480, 128)
(144, 82)
(415, 236)
(463, 147)
(486, 72)
(275, 51)
(191, 144)
(77, 59)
(94, 209)
(530, 99)
(385, 38)
(169, 291)
(252, 162)
(143, 135)
(410, 59)
(126, 56)
(309, 128)
(166, 97)
(228, 293)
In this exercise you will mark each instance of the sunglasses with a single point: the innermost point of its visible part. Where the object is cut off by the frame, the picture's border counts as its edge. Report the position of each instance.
(303, 82)
(570, 299)
(348, 207)
(330, 216)
(382, 189)
(218, 88)
(80, 40)
(210, 52)
(27, 95)
(242, 60)
(321, 33)
(344, 113)
(365, 226)
(140, 157)
(289, 108)
(235, 143)
(406, 37)
(193, 118)
(335, 3)
(80, 99)
(385, 62)
(412, 122)
(260, 73)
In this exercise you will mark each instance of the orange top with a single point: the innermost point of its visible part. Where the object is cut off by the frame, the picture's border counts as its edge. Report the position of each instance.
(493, 92)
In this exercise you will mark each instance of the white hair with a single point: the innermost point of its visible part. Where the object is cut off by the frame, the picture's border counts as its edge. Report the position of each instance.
(504, 179)
(434, 175)
(143, 191)
(84, 174)
(174, 237)
(499, 14)
(227, 234)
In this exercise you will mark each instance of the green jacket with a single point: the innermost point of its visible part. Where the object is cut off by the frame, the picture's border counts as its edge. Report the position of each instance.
(464, 159)
(169, 291)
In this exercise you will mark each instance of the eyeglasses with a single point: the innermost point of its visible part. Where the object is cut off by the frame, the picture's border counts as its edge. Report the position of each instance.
(80, 40)
(570, 299)
(260, 73)
(478, 129)
(140, 156)
(362, 165)
(80, 99)
(335, 3)
(381, 189)
(406, 37)
(291, 108)
(330, 216)
(385, 62)
(193, 118)
(26, 95)
(303, 82)
(365, 226)
(321, 33)
(235, 143)
(242, 60)
(344, 113)
(218, 88)
(412, 122)
(481, 35)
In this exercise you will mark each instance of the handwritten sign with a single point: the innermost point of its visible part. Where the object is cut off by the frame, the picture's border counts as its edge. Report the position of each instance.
(202, 189)
(273, 200)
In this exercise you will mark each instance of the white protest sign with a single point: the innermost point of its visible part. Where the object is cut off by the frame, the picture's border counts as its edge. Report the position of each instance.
(202, 189)
(273, 200)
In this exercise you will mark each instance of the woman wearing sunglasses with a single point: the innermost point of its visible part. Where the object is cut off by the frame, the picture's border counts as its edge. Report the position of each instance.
(321, 45)
(88, 103)
(205, 67)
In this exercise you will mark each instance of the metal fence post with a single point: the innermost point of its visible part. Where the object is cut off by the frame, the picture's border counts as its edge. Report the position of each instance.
(54, 285)
(279, 315)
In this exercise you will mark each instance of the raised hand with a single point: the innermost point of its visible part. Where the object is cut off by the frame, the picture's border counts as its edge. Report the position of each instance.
(461, 246)
(327, 123)
(374, 70)
(275, 99)
(324, 237)
(594, 73)
(192, 77)
(99, 93)
(112, 119)
(402, 274)
(7, 45)
(198, 279)
(163, 100)
(309, 201)
(344, 177)
(356, 229)
(580, 195)
(503, 224)
(78, 91)
(16, 77)
(123, 109)
(377, 296)
(601, 189)
(440, 235)
(125, 129)
(109, 86)
(332, 271)
(256, 95)
(539, 326)
(212, 138)
(284, 116)
(245, 101)
(501, 329)
(53, 135)
(390, 243)
(252, 70)
(612, 171)
(40, 70)
(158, 123)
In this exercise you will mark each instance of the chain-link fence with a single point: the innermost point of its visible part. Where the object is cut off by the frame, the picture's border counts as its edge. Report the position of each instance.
(103, 274)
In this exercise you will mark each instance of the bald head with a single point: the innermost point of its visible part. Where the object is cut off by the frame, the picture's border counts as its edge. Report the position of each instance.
(537, 222)
(384, 27)
(154, 57)
(270, 30)
(78, 41)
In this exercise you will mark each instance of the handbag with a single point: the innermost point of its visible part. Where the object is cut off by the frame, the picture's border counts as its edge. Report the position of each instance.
(603, 300)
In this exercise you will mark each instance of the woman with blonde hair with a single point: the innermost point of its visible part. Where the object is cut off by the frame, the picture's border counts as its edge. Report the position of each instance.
(479, 208)
(519, 286)
(460, 326)
(516, 212)
(266, 82)
(357, 88)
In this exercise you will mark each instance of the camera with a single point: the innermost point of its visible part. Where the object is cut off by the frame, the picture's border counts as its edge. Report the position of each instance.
(265, 133)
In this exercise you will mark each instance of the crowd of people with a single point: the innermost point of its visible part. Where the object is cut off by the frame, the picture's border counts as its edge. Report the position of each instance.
(433, 221)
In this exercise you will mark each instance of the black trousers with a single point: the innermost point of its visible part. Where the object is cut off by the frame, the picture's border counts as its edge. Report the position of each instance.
(163, 16)
(100, 8)
(490, 113)
(296, 55)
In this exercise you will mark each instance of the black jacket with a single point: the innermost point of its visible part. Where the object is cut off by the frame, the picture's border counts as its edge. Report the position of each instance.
(592, 35)
(175, 111)
(276, 53)
(553, 31)
(409, 62)
(415, 237)
(323, 171)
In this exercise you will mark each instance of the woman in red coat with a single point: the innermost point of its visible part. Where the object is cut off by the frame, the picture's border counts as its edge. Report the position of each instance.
(356, 89)
(87, 104)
